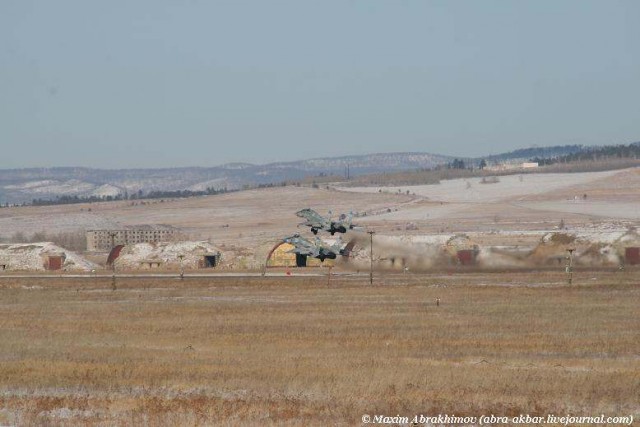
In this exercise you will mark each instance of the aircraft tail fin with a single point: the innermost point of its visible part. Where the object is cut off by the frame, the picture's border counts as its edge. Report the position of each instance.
(338, 244)
(349, 220)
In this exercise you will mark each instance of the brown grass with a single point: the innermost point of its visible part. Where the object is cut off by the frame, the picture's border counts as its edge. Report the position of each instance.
(293, 351)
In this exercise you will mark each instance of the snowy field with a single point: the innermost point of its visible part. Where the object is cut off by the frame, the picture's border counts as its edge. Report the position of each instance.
(617, 210)
(519, 196)
(509, 187)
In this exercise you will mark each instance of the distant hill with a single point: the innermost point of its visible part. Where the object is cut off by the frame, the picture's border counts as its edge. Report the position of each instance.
(25, 185)
(525, 154)
(631, 151)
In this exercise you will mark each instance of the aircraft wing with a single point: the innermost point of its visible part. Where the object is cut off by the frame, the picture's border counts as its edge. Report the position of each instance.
(345, 221)
(301, 251)
(305, 250)
(301, 245)
(314, 219)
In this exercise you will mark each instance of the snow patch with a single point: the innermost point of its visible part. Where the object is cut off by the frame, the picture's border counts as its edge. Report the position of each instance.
(106, 190)
(166, 254)
(33, 257)
(471, 189)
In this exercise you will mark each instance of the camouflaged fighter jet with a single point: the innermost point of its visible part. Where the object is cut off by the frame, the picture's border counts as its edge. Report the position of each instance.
(316, 249)
(318, 222)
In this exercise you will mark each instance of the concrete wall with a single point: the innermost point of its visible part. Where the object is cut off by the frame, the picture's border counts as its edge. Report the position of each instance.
(104, 240)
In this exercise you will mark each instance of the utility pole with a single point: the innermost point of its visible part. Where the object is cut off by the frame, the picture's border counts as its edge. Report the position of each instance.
(113, 278)
(181, 257)
(113, 235)
(569, 268)
(371, 233)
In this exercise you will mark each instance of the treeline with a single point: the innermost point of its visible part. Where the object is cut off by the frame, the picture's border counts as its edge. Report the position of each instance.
(631, 151)
(267, 185)
(67, 200)
(456, 164)
(139, 195)
(596, 159)
(179, 194)
(539, 152)
(575, 153)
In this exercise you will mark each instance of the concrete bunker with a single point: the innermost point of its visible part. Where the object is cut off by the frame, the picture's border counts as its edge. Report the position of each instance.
(632, 255)
(166, 255)
(54, 262)
(467, 256)
(41, 256)
(281, 255)
(209, 261)
(114, 254)
(149, 264)
(462, 250)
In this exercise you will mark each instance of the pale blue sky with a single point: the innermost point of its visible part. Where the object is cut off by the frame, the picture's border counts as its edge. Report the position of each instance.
(153, 83)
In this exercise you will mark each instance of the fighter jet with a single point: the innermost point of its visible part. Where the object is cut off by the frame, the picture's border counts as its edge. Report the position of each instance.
(316, 249)
(318, 222)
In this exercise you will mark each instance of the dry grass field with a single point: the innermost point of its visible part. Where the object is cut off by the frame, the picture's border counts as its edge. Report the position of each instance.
(295, 351)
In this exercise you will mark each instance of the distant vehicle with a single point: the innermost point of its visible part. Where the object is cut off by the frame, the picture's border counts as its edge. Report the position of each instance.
(318, 222)
(317, 248)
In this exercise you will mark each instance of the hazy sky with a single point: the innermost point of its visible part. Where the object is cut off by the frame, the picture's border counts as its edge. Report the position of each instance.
(152, 83)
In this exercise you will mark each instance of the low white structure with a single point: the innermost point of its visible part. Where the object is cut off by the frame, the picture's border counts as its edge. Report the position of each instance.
(41, 256)
(171, 255)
